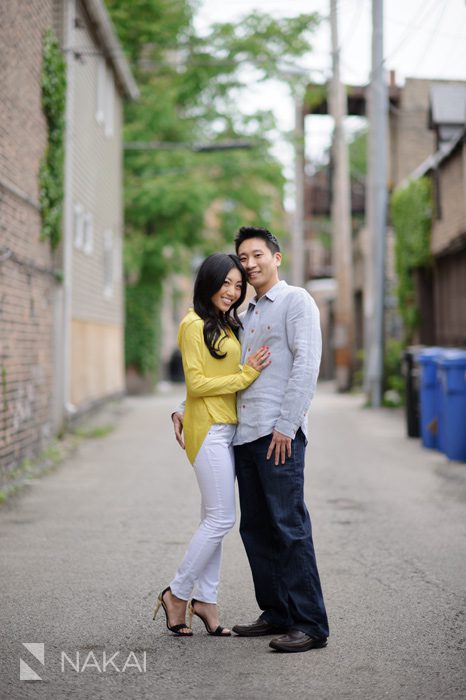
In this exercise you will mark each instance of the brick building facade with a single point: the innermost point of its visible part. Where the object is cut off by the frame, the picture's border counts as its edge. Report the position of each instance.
(441, 289)
(28, 287)
(61, 314)
(410, 139)
(450, 214)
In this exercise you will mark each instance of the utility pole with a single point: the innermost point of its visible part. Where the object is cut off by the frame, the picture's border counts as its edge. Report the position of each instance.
(194, 147)
(376, 215)
(342, 251)
(297, 241)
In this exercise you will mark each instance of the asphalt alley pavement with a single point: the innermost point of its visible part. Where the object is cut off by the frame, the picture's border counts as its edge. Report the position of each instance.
(85, 550)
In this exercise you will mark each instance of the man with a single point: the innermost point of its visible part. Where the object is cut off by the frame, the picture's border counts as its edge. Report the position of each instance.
(269, 452)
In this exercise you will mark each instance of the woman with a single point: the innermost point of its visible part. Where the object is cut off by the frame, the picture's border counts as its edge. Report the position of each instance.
(211, 362)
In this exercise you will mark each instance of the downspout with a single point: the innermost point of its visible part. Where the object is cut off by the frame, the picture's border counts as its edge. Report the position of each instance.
(68, 203)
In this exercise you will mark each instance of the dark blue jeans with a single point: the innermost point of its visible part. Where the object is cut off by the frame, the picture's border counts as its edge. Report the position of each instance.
(276, 532)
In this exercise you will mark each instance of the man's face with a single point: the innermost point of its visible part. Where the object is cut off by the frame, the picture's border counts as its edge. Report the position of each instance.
(260, 264)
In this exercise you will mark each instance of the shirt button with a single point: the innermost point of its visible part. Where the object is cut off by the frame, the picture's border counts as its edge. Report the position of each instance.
(256, 313)
(249, 349)
(252, 330)
(243, 406)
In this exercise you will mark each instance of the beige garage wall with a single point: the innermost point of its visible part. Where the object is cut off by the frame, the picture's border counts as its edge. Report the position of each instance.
(97, 363)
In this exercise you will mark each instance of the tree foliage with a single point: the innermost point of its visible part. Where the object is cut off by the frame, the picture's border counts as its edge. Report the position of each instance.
(191, 85)
(357, 151)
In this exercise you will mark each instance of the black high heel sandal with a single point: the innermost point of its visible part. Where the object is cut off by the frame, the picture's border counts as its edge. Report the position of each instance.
(218, 632)
(175, 628)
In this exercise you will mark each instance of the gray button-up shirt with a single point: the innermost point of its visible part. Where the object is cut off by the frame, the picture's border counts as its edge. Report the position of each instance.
(287, 319)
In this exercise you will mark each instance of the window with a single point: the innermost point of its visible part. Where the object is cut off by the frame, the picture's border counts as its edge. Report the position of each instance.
(88, 246)
(109, 100)
(108, 264)
(101, 80)
(105, 97)
(78, 226)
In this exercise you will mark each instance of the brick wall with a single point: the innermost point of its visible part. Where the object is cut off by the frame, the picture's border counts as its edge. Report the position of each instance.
(27, 287)
(451, 194)
(449, 247)
(412, 141)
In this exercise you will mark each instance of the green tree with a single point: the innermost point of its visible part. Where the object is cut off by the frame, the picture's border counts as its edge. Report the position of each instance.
(357, 149)
(191, 92)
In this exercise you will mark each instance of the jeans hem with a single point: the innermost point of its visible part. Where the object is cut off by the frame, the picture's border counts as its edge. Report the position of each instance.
(311, 632)
(267, 619)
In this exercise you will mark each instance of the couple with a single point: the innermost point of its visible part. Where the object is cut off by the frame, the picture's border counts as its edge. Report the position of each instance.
(246, 411)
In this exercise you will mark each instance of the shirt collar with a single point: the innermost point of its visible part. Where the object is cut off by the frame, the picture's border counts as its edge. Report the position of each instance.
(272, 293)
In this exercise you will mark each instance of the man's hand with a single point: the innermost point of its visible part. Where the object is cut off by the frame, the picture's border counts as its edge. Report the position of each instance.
(282, 446)
(177, 419)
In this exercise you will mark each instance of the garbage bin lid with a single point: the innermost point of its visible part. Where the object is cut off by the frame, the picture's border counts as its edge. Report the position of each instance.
(452, 358)
(429, 355)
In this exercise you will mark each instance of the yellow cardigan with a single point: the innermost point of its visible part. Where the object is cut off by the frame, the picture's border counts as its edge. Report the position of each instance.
(211, 384)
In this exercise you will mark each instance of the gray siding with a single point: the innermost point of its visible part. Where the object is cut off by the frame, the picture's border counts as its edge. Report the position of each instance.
(97, 187)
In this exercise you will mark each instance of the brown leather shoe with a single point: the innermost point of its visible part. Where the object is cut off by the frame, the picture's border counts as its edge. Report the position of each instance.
(258, 628)
(295, 640)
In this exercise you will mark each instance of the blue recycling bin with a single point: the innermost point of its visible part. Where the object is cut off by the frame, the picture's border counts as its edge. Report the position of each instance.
(429, 396)
(452, 380)
(440, 399)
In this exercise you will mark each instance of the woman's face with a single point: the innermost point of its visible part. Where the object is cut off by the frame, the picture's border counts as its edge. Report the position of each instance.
(229, 292)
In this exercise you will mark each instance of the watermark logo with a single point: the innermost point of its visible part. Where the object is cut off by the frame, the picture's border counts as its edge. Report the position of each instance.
(26, 673)
(101, 662)
(80, 662)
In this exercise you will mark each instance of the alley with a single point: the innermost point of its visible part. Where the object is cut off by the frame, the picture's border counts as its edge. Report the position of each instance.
(85, 550)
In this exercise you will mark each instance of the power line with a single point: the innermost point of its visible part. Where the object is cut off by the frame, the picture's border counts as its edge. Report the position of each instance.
(446, 35)
(433, 33)
(194, 147)
(418, 21)
(354, 23)
(449, 56)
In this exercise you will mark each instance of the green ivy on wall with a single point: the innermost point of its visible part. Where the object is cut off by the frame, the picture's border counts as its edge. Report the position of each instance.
(51, 173)
(411, 213)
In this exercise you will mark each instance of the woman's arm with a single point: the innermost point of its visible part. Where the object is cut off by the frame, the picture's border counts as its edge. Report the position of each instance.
(197, 383)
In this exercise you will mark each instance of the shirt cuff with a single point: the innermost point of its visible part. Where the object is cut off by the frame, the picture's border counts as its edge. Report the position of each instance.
(250, 371)
(178, 409)
(286, 428)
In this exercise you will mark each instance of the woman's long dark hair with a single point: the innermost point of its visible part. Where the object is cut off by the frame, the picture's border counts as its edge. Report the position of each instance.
(210, 277)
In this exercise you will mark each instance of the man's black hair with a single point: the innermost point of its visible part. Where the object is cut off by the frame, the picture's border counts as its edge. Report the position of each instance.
(246, 232)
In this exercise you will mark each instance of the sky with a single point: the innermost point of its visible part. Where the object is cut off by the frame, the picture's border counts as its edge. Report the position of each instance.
(422, 39)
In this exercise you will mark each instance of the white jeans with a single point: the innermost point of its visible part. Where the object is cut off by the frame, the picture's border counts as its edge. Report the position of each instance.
(215, 472)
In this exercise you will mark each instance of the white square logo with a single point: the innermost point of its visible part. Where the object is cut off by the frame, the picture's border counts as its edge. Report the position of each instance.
(26, 673)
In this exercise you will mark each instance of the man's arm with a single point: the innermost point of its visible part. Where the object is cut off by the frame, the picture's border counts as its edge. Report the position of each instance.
(177, 418)
(305, 342)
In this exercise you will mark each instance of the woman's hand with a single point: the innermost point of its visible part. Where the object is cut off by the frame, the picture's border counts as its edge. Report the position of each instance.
(260, 359)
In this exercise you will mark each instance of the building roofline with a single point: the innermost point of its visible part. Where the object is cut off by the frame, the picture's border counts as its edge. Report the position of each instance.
(106, 33)
(356, 96)
(433, 161)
